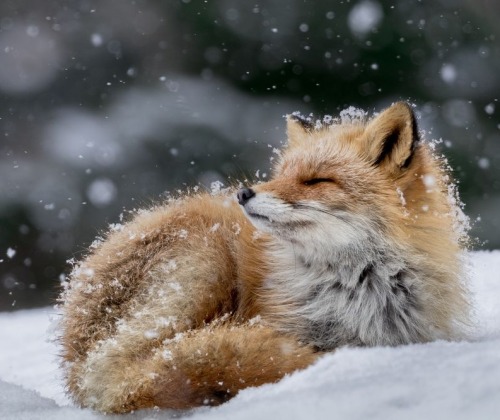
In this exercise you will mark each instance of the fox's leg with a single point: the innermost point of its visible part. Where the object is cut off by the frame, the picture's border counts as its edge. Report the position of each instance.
(205, 366)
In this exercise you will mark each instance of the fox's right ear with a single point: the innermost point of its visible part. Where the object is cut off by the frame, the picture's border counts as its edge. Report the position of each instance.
(297, 129)
(391, 137)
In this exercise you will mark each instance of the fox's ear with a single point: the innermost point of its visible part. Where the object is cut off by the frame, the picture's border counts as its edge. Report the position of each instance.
(297, 128)
(390, 138)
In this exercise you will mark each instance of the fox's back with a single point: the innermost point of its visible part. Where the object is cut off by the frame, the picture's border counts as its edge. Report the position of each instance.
(141, 268)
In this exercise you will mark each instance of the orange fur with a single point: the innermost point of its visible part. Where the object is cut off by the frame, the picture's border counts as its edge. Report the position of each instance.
(174, 309)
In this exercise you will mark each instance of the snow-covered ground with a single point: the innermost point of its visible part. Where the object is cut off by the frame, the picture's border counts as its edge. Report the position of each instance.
(440, 380)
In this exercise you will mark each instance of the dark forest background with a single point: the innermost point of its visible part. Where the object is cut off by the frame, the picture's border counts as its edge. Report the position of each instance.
(107, 105)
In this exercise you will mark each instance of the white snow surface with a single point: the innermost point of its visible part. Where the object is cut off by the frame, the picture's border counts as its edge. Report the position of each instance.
(439, 380)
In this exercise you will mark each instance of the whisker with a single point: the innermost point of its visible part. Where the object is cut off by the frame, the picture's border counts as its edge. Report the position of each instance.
(308, 207)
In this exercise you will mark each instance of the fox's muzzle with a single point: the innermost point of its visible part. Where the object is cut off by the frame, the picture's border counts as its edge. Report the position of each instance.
(245, 194)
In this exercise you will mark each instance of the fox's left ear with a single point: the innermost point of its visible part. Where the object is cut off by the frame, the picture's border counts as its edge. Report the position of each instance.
(390, 138)
(297, 128)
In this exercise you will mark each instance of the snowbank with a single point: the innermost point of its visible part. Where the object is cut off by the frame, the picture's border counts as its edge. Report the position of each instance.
(437, 380)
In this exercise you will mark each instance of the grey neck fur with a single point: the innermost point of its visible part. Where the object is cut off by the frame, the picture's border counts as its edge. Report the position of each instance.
(364, 294)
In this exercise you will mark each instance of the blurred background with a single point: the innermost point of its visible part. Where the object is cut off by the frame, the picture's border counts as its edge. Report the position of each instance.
(108, 105)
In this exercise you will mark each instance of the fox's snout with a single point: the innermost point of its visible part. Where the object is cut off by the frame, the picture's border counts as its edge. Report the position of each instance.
(245, 194)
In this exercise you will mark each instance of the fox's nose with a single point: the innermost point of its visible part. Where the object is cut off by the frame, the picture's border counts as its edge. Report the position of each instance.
(244, 195)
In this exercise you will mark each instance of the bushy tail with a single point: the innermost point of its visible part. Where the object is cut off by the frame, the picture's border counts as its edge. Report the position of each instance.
(201, 367)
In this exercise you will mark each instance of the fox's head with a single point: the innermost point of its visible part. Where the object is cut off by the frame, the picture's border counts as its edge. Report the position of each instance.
(339, 184)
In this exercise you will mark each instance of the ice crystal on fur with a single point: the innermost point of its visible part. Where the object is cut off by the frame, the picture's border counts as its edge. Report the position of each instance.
(310, 122)
(352, 115)
(216, 187)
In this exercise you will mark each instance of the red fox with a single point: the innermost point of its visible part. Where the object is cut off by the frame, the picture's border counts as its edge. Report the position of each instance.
(353, 241)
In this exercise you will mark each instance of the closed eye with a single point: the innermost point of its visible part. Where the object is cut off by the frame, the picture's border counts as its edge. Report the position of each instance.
(315, 181)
